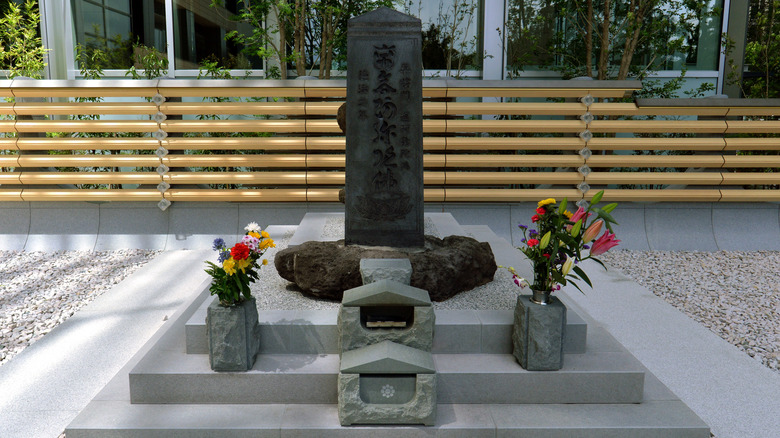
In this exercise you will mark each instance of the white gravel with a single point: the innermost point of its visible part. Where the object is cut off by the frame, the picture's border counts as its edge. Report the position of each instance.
(39, 290)
(735, 294)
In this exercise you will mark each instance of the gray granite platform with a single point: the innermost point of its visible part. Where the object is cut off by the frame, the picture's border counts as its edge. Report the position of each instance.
(601, 391)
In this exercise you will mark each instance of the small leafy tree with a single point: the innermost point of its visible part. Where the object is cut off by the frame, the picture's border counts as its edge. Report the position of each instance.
(759, 77)
(21, 50)
(153, 63)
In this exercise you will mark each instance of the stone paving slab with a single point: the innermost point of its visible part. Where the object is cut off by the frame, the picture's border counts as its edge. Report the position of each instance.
(658, 419)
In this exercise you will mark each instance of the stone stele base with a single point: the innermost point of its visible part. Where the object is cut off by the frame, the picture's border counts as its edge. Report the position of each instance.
(421, 409)
(234, 336)
(537, 334)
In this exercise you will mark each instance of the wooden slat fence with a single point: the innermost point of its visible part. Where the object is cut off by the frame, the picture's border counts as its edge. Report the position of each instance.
(484, 141)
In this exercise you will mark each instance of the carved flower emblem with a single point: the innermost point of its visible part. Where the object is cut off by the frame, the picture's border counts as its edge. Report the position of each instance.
(388, 391)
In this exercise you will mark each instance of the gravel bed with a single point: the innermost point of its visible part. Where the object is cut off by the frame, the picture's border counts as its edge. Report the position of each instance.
(735, 294)
(39, 290)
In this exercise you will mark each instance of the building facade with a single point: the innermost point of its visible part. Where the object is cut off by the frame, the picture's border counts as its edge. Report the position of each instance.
(470, 39)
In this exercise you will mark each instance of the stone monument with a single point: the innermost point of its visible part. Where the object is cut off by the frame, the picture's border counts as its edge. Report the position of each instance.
(384, 175)
(384, 183)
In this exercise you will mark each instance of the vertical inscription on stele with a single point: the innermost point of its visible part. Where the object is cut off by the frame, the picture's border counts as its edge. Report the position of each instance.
(384, 180)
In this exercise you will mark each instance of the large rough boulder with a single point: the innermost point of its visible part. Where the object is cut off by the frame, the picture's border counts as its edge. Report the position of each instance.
(445, 267)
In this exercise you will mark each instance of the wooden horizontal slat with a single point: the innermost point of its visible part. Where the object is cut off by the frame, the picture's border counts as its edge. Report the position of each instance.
(753, 126)
(234, 125)
(693, 178)
(84, 89)
(655, 161)
(326, 178)
(571, 126)
(90, 195)
(248, 108)
(88, 143)
(510, 143)
(234, 91)
(508, 195)
(84, 126)
(657, 143)
(737, 178)
(77, 108)
(88, 160)
(659, 195)
(9, 160)
(769, 161)
(752, 144)
(322, 195)
(747, 195)
(523, 92)
(504, 108)
(657, 126)
(11, 195)
(238, 195)
(754, 111)
(236, 143)
(326, 92)
(264, 178)
(90, 178)
(10, 178)
(505, 178)
(493, 160)
(434, 195)
(326, 143)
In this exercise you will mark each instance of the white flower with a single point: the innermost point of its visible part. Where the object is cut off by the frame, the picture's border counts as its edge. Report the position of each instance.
(252, 227)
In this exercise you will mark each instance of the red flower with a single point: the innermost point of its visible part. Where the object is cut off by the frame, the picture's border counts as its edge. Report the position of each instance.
(533, 242)
(546, 255)
(541, 210)
(535, 218)
(239, 251)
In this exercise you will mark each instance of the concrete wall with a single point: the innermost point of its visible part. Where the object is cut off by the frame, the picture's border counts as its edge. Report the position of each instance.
(50, 226)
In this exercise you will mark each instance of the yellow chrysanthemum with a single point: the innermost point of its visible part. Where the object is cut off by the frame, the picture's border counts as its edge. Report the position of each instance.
(568, 214)
(546, 201)
(265, 234)
(254, 234)
(243, 264)
(229, 266)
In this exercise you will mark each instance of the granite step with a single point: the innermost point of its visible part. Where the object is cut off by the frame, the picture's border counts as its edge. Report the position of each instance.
(316, 331)
(605, 373)
(656, 419)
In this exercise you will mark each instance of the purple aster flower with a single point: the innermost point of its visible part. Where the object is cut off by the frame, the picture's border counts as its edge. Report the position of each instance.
(224, 255)
(585, 246)
(218, 245)
(533, 233)
(522, 227)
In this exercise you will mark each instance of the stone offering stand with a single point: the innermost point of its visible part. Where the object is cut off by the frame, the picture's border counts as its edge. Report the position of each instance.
(292, 390)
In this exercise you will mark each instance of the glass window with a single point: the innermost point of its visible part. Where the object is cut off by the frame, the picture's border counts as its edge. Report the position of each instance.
(553, 35)
(201, 33)
(451, 34)
(114, 26)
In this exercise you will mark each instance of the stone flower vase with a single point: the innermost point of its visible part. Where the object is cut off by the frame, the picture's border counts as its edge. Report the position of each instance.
(234, 335)
(538, 330)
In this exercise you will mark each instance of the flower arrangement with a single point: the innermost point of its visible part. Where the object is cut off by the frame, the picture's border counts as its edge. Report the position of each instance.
(238, 265)
(556, 247)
